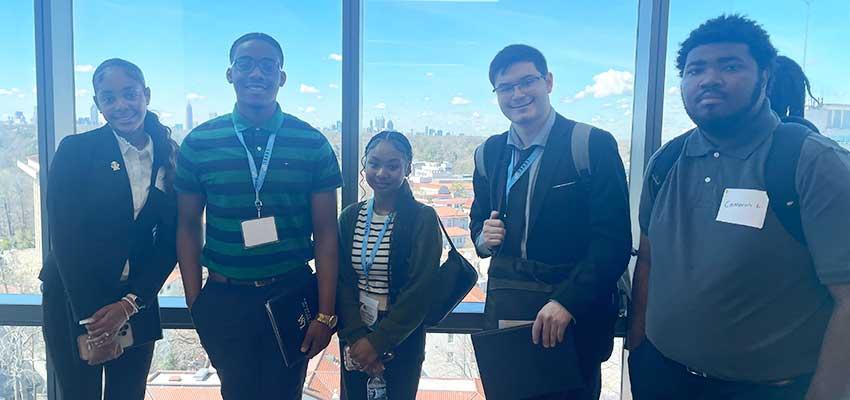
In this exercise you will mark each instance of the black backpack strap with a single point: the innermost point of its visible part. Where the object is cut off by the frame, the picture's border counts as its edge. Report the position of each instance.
(664, 162)
(781, 176)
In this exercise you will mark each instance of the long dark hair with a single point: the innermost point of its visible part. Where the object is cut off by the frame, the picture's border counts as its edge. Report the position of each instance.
(789, 88)
(400, 142)
(165, 149)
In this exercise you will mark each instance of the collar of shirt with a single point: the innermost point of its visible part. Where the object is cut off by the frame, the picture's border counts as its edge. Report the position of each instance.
(242, 124)
(746, 138)
(540, 138)
(127, 148)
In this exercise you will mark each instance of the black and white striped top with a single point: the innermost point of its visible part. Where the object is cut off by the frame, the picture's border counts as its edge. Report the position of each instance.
(378, 285)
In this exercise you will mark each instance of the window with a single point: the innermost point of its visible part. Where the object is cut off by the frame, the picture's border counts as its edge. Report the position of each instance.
(806, 31)
(184, 60)
(20, 217)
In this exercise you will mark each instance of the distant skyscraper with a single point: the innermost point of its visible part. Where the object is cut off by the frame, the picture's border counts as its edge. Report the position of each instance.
(390, 125)
(190, 122)
(20, 118)
(381, 123)
(94, 116)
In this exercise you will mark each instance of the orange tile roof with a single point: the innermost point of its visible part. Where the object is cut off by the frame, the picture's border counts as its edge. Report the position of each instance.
(455, 231)
(448, 212)
(476, 295)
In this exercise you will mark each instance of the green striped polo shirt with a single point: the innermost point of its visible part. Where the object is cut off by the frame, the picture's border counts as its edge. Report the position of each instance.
(213, 162)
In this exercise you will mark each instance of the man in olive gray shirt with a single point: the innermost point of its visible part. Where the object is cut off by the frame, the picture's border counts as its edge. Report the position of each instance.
(730, 301)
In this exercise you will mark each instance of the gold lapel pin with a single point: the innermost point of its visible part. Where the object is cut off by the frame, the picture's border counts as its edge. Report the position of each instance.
(115, 166)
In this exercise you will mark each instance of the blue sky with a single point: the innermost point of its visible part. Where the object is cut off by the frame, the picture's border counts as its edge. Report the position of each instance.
(425, 61)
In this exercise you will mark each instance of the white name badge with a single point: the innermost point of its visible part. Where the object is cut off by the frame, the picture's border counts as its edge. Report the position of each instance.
(746, 207)
(258, 232)
(368, 309)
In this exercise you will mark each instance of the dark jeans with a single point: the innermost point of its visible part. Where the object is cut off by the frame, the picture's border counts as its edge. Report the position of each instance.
(236, 333)
(401, 373)
(655, 377)
(126, 376)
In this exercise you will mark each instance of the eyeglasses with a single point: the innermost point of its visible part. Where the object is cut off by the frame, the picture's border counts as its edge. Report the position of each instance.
(247, 64)
(524, 84)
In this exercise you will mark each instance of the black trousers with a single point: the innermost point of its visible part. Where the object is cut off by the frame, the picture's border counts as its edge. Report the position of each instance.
(236, 333)
(591, 390)
(126, 376)
(401, 373)
(656, 377)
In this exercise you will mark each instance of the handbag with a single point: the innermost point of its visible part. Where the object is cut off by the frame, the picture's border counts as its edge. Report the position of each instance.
(457, 277)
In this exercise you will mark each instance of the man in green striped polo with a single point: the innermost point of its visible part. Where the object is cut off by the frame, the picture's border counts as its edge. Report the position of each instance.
(267, 182)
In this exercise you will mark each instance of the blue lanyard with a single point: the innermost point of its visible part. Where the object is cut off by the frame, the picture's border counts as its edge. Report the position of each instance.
(366, 263)
(258, 178)
(514, 176)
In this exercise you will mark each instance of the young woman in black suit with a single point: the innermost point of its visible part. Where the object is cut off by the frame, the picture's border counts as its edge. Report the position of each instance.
(111, 212)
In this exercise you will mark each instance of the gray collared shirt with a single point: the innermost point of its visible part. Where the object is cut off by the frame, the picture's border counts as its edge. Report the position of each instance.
(737, 302)
(517, 145)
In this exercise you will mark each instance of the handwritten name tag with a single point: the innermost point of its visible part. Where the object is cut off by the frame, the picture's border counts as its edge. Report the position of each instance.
(746, 207)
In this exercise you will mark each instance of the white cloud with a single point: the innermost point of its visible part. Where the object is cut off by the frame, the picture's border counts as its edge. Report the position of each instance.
(194, 96)
(308, 89)
(427, 98)
(381, 106)
(20, 96)
(335, 57)
(494, 102)
(426, 114)
(429, 74)
(673, 91)
(476, 115)
(333, 86)
(310, 109)
(459, 101)
(84, 68)
(319, 97)
(82, 92)
(609, 83)
(567, 100)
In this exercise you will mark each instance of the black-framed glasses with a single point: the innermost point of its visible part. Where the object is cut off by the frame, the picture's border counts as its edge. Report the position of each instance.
(247, 64)
(523, 84)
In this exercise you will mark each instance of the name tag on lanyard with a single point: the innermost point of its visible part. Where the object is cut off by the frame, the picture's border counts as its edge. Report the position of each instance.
(262, 230)
(259, 232)
(367, 260)
(514, 176)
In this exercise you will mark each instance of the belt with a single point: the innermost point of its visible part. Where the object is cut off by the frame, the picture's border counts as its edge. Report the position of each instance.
(216, 277)
(781, 382)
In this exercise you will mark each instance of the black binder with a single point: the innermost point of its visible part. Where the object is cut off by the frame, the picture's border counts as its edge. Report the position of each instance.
(512, 367)
(290, 314)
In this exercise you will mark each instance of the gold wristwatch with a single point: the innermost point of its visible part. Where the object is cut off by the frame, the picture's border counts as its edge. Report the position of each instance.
(329, 320)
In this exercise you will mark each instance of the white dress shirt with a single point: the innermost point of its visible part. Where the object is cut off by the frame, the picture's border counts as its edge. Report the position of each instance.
(139, 164)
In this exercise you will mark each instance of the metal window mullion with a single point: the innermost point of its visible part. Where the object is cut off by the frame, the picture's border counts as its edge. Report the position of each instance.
(650, 59)
(352, 68)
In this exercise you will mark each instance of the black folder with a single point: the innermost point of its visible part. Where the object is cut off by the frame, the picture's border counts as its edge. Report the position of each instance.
(512, 367)
(290, 314)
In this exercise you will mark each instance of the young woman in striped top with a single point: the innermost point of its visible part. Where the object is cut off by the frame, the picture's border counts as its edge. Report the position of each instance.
(385, 284)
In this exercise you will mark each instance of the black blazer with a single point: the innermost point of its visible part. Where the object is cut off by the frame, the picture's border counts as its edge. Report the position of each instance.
(93, 232)
(576, 223)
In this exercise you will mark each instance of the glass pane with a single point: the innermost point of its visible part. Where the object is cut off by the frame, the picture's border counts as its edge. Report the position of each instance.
(23, 363)
(185, 58)
(446, 106)
(20, 217)
(809, 32)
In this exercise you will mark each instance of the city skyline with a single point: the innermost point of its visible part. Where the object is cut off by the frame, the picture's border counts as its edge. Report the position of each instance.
(425, 62)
